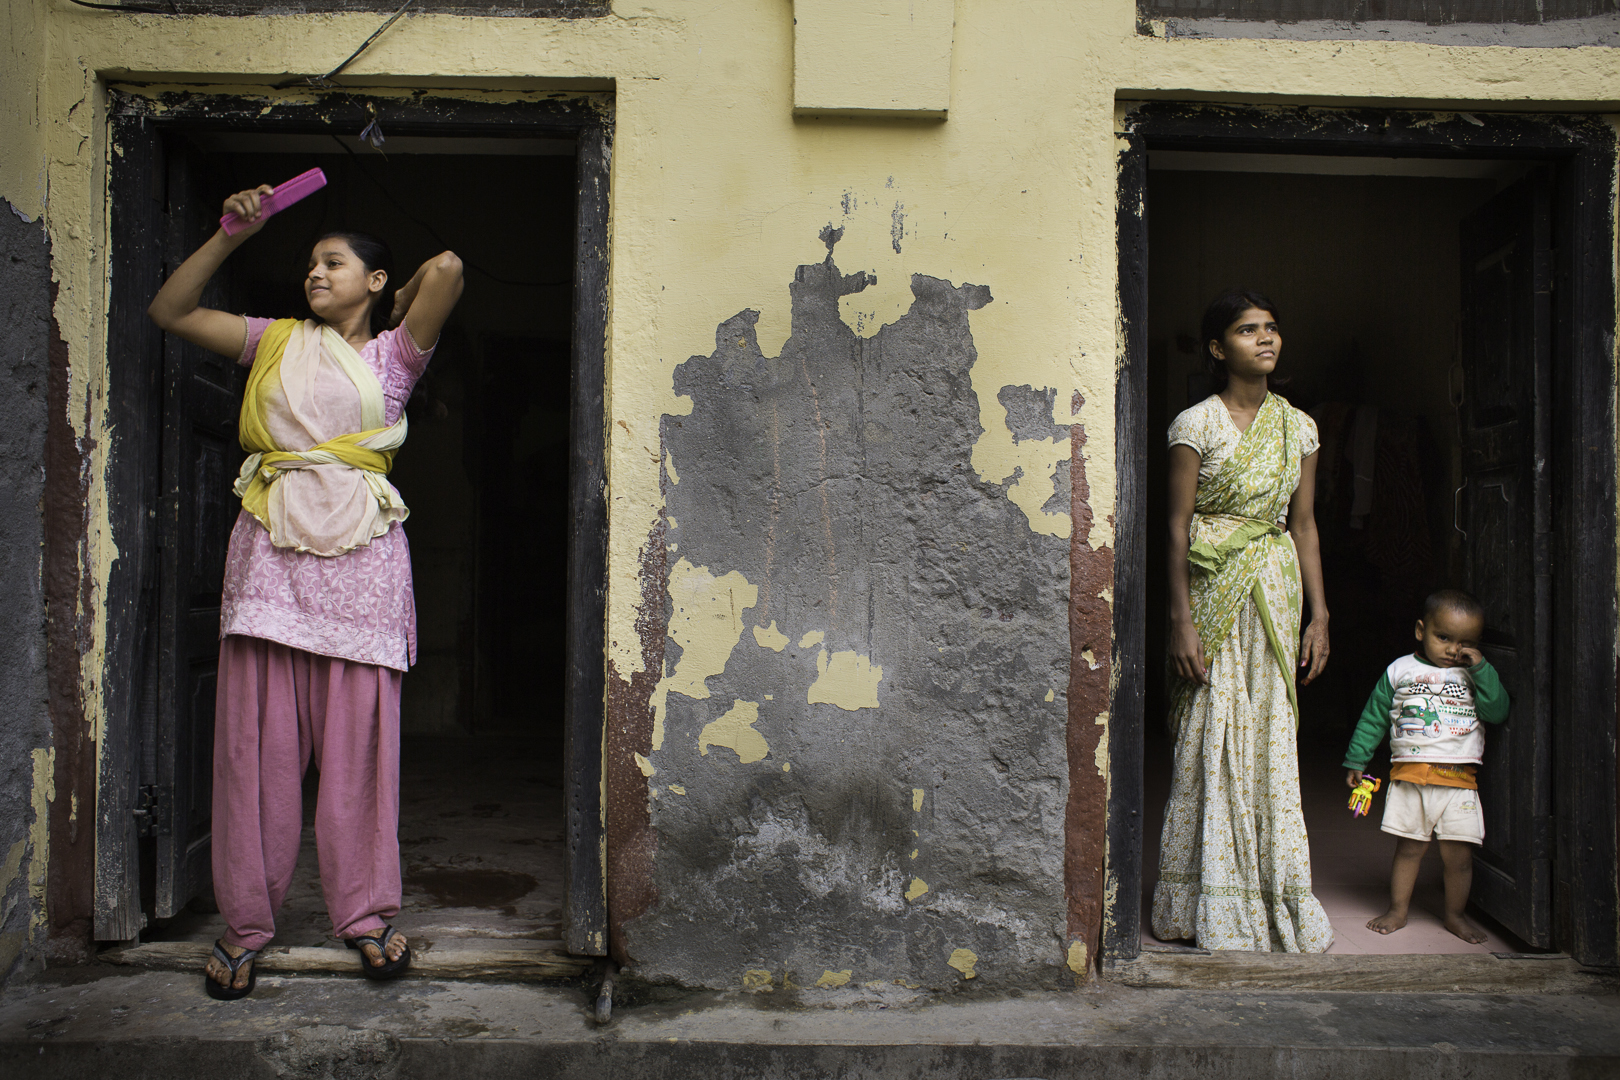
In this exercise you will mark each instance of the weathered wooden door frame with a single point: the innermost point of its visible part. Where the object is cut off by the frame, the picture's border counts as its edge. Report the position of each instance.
(136, 398)
(1581, 152)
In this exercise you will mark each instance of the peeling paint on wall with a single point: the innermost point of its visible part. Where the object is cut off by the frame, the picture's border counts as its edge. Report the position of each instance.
(734, 730)
(769, 637)
(837, 478)
(1091, 628)
(847, 680)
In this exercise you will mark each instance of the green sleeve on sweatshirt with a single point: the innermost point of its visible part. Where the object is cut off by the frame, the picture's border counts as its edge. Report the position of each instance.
(1490, 700)
(1372, 726)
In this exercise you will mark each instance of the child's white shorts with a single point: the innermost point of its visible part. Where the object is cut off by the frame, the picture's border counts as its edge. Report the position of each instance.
(1419, 811)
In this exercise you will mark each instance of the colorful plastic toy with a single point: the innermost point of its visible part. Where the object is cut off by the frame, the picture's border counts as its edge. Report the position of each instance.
(1361, 796)
(305, 183)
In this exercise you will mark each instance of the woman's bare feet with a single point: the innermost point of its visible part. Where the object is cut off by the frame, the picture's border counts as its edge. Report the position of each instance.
(221, 974)
(1387, 923)
(1464, 929)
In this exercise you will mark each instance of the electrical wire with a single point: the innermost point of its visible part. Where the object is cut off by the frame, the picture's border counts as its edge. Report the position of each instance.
(431, 231)
(321, 80)
(133, 9)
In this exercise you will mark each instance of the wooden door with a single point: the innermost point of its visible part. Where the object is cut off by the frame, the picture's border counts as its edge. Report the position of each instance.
(1504, 513)
(125, 791)
(200, 457)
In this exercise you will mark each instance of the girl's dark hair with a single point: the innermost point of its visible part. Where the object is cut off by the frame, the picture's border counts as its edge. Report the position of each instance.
(1222, 312)
(374, 254)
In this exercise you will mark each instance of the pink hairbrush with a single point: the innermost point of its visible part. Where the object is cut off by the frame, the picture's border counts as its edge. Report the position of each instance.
(305, 183)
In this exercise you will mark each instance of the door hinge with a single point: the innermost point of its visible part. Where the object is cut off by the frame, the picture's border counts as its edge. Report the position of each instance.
(149, 820)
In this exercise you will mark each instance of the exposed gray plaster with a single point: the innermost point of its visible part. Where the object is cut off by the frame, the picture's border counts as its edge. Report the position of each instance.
(837, 479)
(1029, 413)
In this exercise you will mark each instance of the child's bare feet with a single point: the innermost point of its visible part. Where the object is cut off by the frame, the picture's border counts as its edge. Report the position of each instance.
(1464, 929)
(1387, 923)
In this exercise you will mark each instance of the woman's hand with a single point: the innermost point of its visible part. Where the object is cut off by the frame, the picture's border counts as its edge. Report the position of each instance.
(177, 307)
(247, 206)
(1352, 778)
(1187, 652)
(1313, 650)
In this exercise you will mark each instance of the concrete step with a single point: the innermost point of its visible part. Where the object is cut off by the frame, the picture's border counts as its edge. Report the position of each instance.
(148, 1024)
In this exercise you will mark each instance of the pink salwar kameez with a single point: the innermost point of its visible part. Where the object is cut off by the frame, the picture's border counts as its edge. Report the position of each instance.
(312, 655)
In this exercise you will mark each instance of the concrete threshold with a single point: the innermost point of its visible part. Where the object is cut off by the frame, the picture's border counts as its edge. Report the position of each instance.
(136, 1024)
(1176, 968)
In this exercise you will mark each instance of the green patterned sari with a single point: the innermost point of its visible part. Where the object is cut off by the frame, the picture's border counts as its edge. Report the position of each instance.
(1238, 547)
(1234, 862)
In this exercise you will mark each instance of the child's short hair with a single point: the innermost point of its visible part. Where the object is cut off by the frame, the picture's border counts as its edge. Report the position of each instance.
(1454, 600)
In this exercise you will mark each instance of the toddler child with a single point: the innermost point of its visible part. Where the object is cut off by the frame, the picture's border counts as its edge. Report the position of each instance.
(1432, 702)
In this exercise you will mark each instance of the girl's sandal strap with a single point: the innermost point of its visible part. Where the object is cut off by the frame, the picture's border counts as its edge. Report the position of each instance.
(380, 939)
(230, 991)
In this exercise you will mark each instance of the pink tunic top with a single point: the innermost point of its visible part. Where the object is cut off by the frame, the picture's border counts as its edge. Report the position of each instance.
(358, 606)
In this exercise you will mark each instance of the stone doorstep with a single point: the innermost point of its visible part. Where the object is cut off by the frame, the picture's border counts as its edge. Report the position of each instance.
(1158, 967)
(519, 961)
(1175, 968)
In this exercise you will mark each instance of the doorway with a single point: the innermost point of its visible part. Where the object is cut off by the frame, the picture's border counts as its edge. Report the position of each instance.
(500, 714)
(1376, 264)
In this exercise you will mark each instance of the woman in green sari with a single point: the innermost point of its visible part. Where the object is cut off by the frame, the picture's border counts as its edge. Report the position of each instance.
(1234, 865)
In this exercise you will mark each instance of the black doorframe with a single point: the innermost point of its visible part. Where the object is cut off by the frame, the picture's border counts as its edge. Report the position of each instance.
(136, 401)
(1582, 153)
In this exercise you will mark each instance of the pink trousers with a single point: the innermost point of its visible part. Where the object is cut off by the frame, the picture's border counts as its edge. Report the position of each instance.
(277, 707)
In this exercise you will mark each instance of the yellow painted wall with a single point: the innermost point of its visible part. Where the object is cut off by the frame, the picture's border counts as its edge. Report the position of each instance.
(719, 190)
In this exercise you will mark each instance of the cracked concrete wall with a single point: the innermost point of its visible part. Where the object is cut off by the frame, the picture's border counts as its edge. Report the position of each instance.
(862, 775)
(25, 314)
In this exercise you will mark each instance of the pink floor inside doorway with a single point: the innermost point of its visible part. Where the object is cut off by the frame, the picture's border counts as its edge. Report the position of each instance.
(1350, 862)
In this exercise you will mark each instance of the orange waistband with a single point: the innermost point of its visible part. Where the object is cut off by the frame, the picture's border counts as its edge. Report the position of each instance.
(1422, 772)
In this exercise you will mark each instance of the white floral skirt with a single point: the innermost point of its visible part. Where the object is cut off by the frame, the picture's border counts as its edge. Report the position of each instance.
(1234, 865)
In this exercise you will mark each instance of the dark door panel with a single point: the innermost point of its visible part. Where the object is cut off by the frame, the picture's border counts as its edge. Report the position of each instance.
(202, 396)
(1503, 510)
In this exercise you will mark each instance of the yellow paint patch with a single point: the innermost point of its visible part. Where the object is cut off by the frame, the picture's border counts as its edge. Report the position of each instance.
(834, 978)
(757, 979)
(811, 639)
(735, 731)
(669, 470)
(787, 766)
(39, 836)
(914, 852)
(1100, 756)
(645, 766)
(1077, 958)
(1051, 695)
(918, 887)
(963, 960)
(847, 680)
(706, 624)
(770, 637)
(679, 789)
(1090, 658)
(916, 798)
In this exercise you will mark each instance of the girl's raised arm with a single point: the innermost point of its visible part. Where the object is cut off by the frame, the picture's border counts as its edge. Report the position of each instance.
(175, 307)
(425, 301)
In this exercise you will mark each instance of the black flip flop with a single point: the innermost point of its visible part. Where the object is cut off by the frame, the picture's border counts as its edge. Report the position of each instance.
(389, 968)
(232, 993)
